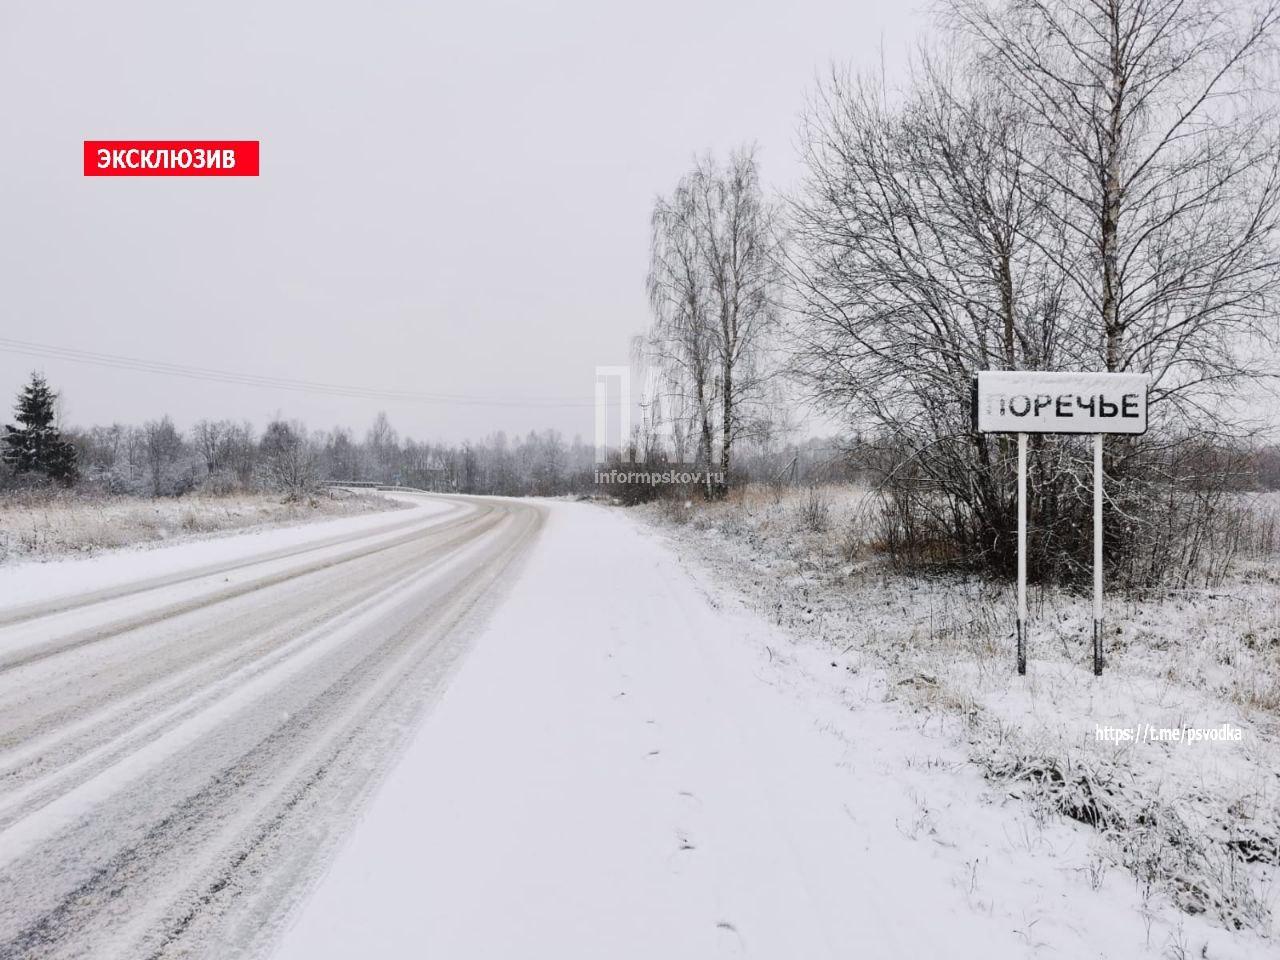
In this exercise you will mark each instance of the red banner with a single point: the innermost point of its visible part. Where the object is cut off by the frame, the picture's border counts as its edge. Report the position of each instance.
(171, 158)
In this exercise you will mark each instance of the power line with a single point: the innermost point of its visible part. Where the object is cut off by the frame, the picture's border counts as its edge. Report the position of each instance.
(212, 375)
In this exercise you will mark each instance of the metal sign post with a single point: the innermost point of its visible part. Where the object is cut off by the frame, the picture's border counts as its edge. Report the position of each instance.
(1023, 402)
(1097, 554)
(1022, 554)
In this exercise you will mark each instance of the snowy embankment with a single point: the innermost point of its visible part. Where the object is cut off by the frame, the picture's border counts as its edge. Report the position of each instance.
(34, 582)
(1194, 824)
(632, 765)
(44, 525)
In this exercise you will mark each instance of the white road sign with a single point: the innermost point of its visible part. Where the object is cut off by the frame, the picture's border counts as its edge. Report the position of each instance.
(1026, 401)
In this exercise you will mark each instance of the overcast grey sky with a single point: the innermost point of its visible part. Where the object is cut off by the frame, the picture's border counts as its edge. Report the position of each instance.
(454, 197)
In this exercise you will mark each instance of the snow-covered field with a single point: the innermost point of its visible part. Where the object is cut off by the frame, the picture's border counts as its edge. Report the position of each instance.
(1193, 824)
(40, 525)
(634, 764)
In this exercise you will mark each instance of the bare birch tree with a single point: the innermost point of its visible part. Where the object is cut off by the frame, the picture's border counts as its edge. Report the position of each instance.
(680, 297)
(1157, 118)
(740, 245)
(1165, 172)
(713, 274)
(1096, 187)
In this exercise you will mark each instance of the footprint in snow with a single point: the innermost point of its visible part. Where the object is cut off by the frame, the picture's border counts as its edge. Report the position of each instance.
(729, 942)
(684, 847)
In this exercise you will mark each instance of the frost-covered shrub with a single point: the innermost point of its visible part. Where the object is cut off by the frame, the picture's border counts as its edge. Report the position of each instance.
(815, 510)
(1196, 857)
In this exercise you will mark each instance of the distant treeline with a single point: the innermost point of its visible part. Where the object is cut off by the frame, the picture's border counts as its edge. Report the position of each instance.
(156, 458)
(221, 456)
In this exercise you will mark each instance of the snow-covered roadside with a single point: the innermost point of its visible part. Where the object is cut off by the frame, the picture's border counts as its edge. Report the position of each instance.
(630, 764)
(50, 525)
(1195, 822)
(39, 581)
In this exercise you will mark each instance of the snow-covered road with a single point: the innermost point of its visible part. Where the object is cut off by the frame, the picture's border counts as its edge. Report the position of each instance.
(185, 731)
(607, 777)
(624, 768)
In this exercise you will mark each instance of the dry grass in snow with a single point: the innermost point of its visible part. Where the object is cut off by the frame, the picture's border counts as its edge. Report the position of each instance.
(1196, 824)
(41, 525)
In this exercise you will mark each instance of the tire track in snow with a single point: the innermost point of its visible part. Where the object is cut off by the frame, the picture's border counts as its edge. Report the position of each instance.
(61, 604)
(162, 722)
(27, 655)
(42, 724)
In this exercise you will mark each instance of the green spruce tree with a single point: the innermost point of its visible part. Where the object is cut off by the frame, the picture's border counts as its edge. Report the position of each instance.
(36, 445)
